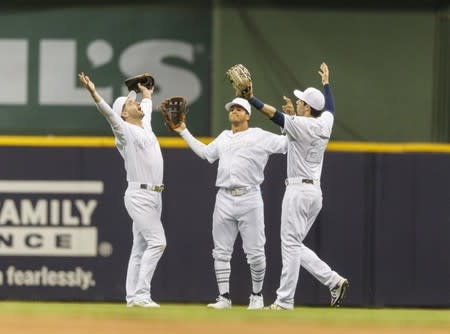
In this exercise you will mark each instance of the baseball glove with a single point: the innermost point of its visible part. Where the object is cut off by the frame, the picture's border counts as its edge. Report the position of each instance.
(241, 80)
(174, 110)
(144, 79)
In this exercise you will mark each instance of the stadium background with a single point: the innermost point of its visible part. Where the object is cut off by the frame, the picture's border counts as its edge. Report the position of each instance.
(386, 219)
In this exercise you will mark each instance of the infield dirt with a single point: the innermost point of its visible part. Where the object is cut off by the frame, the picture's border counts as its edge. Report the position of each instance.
(44, 324)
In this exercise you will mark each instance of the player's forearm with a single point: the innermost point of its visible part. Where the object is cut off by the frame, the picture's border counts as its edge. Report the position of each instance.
(95, 96)
(109, 114)
(147, 108)
(196, 145)
(329, 98)
(273, 114)
(146, 94)
(266, 109)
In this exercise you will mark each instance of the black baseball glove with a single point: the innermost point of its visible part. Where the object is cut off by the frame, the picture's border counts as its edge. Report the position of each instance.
(144, 79)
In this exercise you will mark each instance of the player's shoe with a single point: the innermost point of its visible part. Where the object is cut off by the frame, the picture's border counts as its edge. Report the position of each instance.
(146, 304)
(338, 292)
(221, 303)
(275, 307)
(256, 302)
(130, 304)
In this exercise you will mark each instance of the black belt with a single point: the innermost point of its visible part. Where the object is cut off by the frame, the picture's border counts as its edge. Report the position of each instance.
(308, 181)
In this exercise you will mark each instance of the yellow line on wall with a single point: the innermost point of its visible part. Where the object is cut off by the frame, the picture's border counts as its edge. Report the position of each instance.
(66, 141)
(387, 147)
(176, 142)
(56, 141)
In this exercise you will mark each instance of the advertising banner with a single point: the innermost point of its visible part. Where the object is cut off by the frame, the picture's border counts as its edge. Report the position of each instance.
(64, 234)
(42, 51)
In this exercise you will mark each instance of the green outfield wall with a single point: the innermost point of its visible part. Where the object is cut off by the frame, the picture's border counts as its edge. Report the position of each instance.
(389, 63)
(381, 65)
(42, 50)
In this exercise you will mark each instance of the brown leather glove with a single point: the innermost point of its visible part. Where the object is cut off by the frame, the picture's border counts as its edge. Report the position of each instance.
(174, 111)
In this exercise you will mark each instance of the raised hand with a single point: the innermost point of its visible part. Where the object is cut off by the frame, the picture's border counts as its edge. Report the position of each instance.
(180, 128)
(324, 73)
(288, 108)
(146, 92)
(89, 85)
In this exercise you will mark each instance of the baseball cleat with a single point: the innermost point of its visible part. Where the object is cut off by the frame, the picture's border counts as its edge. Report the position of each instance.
(130, 304)
(221, 303)
(256, 302)
(338, 292)
(275, 307)
(146, 304)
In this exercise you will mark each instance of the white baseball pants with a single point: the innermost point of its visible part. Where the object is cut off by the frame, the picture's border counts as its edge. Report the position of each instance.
(239, 214)
(144, 207)
(301, 205)
(245, 215)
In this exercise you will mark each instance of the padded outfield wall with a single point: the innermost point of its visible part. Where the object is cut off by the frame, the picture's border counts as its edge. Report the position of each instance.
(65, 234)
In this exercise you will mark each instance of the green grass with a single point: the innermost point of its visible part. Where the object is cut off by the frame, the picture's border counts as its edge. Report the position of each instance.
(189, 312)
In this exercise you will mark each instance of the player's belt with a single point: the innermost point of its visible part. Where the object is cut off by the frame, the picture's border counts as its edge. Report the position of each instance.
(298, 180)
(153, 187)
(239, 191)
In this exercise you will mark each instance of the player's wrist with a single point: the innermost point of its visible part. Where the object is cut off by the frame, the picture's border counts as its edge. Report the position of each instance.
(258, 104)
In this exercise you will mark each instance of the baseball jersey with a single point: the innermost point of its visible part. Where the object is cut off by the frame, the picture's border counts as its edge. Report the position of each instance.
(308, 138)
(242, 155)
(138, 146)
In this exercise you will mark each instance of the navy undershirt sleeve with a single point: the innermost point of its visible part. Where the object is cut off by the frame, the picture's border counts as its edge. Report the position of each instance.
(329, 98)
(278, 118)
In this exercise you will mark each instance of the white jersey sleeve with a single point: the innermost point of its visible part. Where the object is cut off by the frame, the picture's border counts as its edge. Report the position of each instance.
(327, 119)
(274, 143)
(294, 126)
(147, 108)
(196, 145)
(117, 123)
(298, 127)
(212, 151)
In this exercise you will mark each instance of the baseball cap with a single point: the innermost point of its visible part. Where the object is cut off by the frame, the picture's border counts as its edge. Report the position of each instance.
(240, 102)
(311, 96)
(120, 101)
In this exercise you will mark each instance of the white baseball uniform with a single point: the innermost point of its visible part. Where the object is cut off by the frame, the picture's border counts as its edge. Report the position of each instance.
(308, 139)
(239, 206)
(143, 160)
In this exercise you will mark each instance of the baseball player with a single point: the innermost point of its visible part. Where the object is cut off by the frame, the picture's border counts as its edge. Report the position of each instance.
(242, 153)
(308, 129)
(138, 146)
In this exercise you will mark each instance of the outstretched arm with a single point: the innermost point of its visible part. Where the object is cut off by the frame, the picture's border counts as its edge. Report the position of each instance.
(114, 120)
(102, 106)
(329, 98)
(90, 87)
(271, 112)
(196, 145)
(146, 103)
